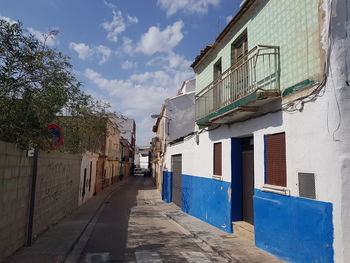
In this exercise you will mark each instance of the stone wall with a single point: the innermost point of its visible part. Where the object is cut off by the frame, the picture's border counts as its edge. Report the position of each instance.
(56, 193)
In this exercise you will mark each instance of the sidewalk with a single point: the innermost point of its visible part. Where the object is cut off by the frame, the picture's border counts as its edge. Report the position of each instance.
(54, 245)
(57, 243)
(228, 246)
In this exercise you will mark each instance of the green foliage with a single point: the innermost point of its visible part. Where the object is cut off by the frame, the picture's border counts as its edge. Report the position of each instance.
(86, 130)
(36, 85)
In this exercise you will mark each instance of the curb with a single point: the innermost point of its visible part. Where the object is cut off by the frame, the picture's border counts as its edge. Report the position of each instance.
(194, 235)
(96, 212)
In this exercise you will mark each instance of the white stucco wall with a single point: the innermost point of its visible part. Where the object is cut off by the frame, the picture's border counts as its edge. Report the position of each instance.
(337, 11)
(186, 148)
(180, 112)
(85, 164)
(317, 137)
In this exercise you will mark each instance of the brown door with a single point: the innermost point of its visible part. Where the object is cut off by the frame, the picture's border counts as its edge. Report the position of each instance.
(176, 167)
(248, 186)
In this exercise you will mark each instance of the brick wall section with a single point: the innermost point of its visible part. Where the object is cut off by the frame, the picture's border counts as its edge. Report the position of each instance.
(57, 189)
(56, 195)
(15, 170)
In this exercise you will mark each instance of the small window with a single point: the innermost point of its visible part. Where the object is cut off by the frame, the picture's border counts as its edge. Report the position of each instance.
(217, 158)
(275, 159)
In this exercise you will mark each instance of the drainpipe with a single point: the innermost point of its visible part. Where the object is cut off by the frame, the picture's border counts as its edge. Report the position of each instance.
(32, 199)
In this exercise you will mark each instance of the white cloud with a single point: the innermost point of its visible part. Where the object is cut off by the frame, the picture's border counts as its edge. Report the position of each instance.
(170, 61)
(128, 46)
(140, 95)
(133, 19)
(103, 52)
(109, 5)
(85, 52)
(115, 27)
(8, 20)
(126, 65)
(49, 40)
(155, 40)
(118, 24)
(190, 6)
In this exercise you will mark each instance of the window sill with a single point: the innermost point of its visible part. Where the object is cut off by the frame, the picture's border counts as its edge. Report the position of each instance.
(276, 189)
(217, 177)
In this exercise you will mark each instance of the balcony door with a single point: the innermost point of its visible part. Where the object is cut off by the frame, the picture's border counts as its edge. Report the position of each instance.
(217, 86)
(239, 63)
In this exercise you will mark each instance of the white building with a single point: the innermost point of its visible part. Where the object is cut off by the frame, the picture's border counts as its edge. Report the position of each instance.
(176, 120)
(273, 113)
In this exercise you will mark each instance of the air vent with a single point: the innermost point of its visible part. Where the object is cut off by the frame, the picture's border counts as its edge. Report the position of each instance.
(307, 185)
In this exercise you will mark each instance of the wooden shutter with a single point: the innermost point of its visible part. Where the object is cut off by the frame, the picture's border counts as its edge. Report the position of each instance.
(276, 159)
(217, 159)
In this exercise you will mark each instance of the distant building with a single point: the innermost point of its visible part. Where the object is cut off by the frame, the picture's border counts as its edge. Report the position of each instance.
(127, 129)
(144, 152)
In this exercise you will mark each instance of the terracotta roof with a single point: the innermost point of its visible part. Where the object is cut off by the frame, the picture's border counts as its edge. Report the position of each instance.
(244, 7)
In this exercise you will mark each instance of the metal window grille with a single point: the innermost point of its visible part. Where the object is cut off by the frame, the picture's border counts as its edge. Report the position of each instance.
(307, 185)
(217, 159)
(276, 172)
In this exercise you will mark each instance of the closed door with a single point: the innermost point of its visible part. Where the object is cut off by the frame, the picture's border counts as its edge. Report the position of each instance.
(176, 167)
(248, 186)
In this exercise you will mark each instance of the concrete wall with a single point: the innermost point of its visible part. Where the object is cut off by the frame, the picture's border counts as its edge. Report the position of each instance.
(87, 177)
(112, 172)
(56, 193)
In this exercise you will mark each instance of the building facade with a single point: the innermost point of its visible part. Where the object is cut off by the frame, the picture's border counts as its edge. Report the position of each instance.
(175, 121)
(127, 129)
(271, 147)
(109, 162)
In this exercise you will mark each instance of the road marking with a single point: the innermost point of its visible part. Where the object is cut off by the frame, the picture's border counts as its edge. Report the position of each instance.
(195, 257)
(147, 257)
(96, 257)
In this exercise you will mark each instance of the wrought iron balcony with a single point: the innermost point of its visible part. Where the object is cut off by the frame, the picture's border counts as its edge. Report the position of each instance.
(259, 70)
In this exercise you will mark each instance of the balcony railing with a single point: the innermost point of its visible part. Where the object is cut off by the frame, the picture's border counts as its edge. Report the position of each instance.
(258, 70)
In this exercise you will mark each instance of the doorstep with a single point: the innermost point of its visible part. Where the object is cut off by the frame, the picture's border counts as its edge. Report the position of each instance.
(244, 230)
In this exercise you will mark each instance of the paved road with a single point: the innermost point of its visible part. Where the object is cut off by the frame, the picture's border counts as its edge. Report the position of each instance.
(131, 229)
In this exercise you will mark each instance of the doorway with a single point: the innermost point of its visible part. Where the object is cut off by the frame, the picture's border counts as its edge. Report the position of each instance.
(242, 160)
(176, 167)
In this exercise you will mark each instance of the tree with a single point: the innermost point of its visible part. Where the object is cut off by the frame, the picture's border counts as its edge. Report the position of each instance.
(36, 85)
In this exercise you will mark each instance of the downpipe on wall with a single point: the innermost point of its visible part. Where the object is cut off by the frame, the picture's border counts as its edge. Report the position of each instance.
(32, 200)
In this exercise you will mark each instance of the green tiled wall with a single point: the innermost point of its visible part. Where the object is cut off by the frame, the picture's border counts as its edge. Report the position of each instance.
(291, 24)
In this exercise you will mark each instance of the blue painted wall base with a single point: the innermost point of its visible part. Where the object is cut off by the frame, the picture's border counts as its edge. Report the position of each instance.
(292, 228)
(208, 200)
(167, 187)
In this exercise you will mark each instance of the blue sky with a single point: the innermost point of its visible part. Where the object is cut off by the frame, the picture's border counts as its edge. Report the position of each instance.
(130, 53)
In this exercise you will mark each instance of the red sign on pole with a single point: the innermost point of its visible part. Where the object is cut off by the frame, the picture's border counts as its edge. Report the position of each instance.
(57, 136)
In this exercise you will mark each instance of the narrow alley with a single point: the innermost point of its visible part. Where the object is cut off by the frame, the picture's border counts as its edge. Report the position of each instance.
(131, 229)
